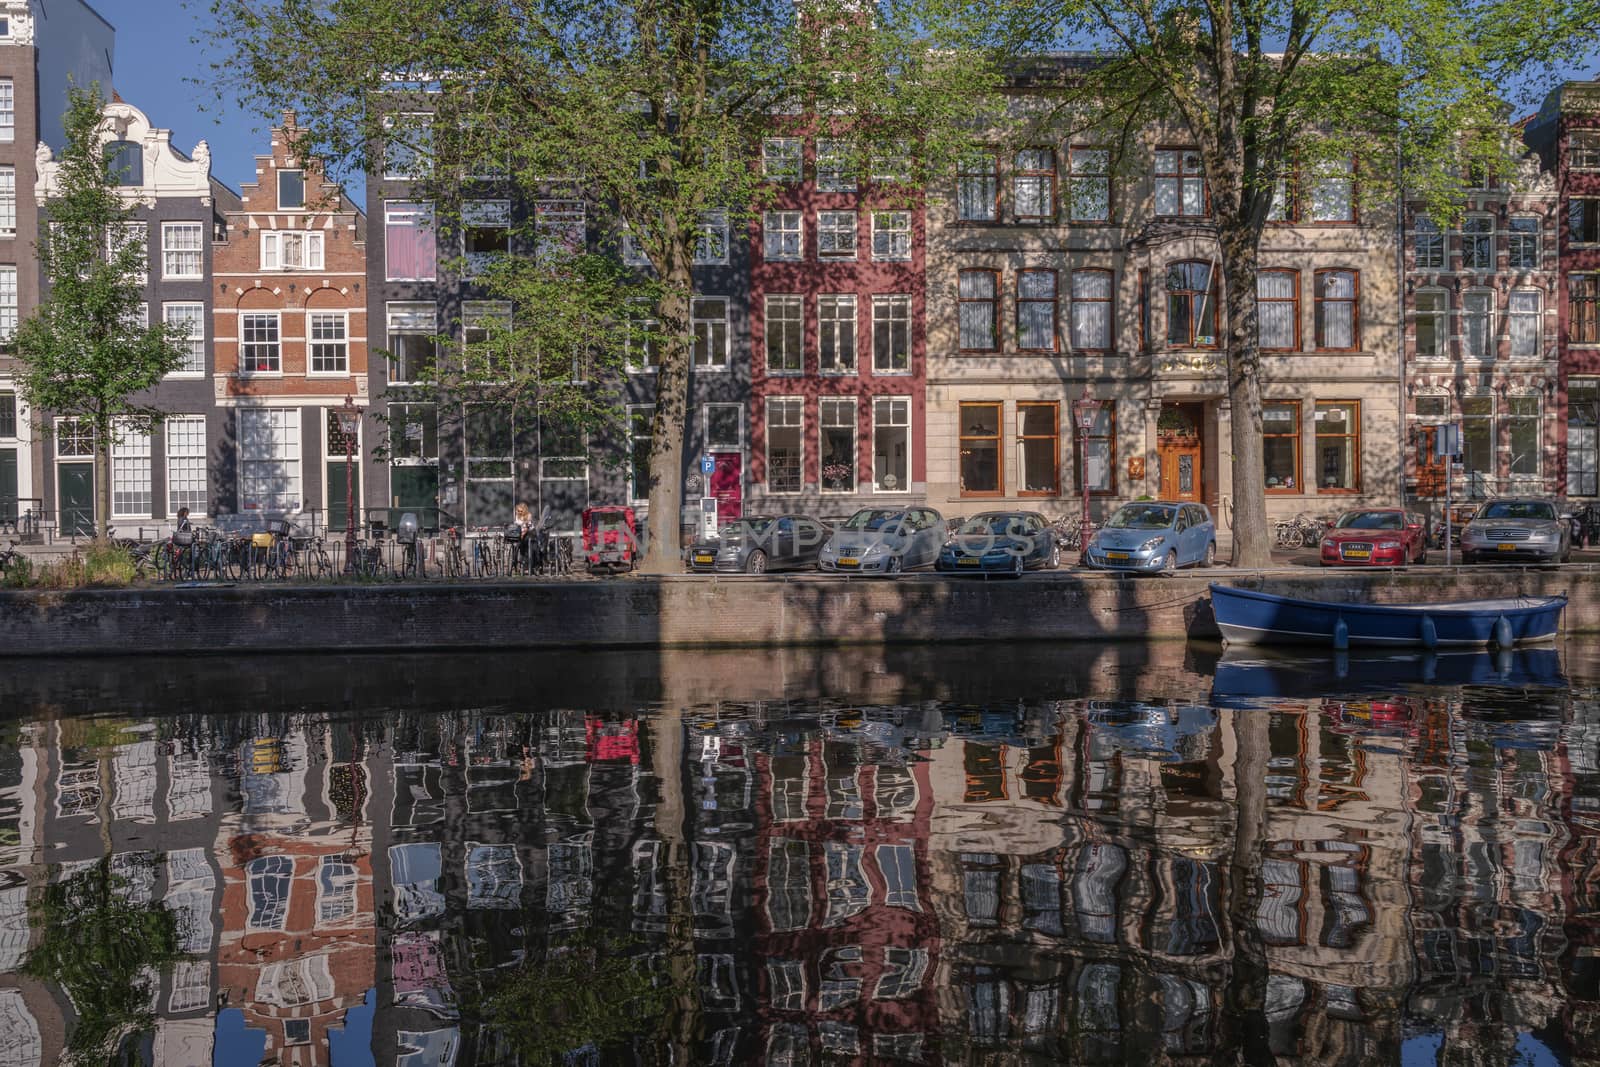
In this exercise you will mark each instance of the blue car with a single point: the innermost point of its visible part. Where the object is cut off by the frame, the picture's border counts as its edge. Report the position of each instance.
(1153, 536)
(1001, 542)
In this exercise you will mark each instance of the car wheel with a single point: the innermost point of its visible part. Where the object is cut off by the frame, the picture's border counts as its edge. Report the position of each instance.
(893, 566)
(757, 563)
(1210, 559)
(1055, 555)
(1170, 565)
(1422, 554)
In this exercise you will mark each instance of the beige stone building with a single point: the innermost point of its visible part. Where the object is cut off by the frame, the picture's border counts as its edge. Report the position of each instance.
(1058, 266)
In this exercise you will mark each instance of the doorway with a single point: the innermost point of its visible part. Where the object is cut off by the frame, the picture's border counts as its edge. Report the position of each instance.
(1179, 452)
(727, 485)
(75, 498)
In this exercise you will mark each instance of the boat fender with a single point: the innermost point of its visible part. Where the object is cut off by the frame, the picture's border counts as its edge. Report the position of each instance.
(1503, 637)
(1341, 635)
(1430, 633)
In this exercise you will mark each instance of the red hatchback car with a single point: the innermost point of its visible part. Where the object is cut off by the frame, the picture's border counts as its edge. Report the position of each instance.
(1375, 537)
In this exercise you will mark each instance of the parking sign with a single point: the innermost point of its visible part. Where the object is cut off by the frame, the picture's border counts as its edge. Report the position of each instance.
(707, 464)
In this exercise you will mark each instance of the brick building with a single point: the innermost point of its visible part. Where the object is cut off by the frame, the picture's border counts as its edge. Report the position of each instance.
(290, 336)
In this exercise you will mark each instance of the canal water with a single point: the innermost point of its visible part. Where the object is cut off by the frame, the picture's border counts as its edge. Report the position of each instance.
(1035, 854)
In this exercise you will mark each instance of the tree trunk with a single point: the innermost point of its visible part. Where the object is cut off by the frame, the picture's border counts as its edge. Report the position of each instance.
(666, 763)
(662, 544)
(1247, 992)
(102, 482)
(1240, 257)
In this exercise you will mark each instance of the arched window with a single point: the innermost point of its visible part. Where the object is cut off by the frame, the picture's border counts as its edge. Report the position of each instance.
(125, 162)
(1192, 305)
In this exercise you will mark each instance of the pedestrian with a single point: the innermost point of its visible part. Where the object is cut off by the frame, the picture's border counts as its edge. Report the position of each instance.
(522, 519)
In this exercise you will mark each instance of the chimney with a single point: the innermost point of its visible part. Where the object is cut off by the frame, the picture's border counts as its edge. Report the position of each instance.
(287, 120)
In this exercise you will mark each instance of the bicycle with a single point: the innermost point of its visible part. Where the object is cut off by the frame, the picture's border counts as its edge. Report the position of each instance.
(317, 566)
(1068, 532)
(1298, 531)
(455, 560)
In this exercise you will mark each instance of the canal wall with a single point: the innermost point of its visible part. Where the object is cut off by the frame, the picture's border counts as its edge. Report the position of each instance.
(711, 612)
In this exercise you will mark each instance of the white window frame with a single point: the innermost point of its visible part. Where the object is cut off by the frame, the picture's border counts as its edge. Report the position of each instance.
(408, 213)
(798, 405)
(1439, 258)
(137, 233)
(8, 111)
(1513, 316)
(910, 416)
(560, 227)
(418, 153)
(783, 159)
(834, 173)
(634, 437)
(892, 301)
(186, 464)
(274, 245)
(785, 302)
(1514, 237)
(131, 474)
(192, 313)
(403, 309)
(832, 326)
(894, 228)
(274, 912)
(8, 201)
(831, 405)
(175, 255)
(316, 320)
(711, 239)
(838, 234)
(735, 444)
(1466, 315)
(1441, 319)
(788, 227)
(484, 215)
(277, 344)
(716, 355)
(291, 460)
(278, 179)
(1473, 236)
(8, 302)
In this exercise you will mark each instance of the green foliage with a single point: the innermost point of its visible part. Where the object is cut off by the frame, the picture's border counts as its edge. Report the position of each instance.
(18, 575)
(83, 353)
(108, 564)
(101, 949)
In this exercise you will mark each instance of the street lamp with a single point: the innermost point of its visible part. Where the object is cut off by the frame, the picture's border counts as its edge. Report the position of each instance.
(1084, 409)
(349, 418)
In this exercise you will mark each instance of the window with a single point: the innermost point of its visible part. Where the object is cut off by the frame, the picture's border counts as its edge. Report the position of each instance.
(130, 473)
(494, 876)
(898, 865)
(269, 459)
(1477, 438)
(336, 889)
(786, 979)
(640, 434)
(8, 303)
(1523, 242)
(782, 236)
(410, 245)
(1432, 325)
(1477, 243)
(980, 450)
(891, 444)
(1102, 476)
(485, 233)
(8, 415)
(1583, 437)
(297, 1031)
(259, 350)
(1583, 149)
(838, 424)
(1520, 417)
(785, 333)
(711, 239)
(1583, 292)
(291, 250)
(186, 464)
(8, 201)
(785, 444)
(74, 439)
(836, 234)
(836, 333)
(408, 148)
(1338, 324)
(849, 893)
(1038, 449)
(1089, 184)
(891, 235)
(1526, 324)
(485, 334)
(329, 342)
(1427, 244)
(1091, 310)
(8, 111)
(413, 434)
(1278, 310)
(788, 902)
(978, 188)
(644, 344)
(1282, 207)
(834, 171)
(125, 163)
(1280, 446)
(269, 878)
(291, 190)
(558, 228)
(1583, 220)
(1033, 185)
(1180, 183)
(891, 161)
(709, 316)
(1332, 192)
(781, 158)
(191, 319)
(134, 235)
(1477, 324)
(979, 310)
(903, 972)
(1338, 465)
(1191, 305)
(412, 329)
(181, 248)
(891, 334)
(1036, 310)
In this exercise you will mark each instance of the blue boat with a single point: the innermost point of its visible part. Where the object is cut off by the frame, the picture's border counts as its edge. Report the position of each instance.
(1246, 617)
(1244, 677)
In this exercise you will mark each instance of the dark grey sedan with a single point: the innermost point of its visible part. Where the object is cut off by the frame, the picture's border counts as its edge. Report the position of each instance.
(1001, 542)
(760, 543)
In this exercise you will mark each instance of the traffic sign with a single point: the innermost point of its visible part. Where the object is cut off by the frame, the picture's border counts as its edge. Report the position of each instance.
(707, 464)
(1447, 440)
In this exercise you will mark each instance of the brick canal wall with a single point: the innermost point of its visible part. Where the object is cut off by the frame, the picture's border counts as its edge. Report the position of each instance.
(690, 612)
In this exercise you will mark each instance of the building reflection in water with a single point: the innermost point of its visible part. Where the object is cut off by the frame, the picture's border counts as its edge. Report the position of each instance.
(1317, 880)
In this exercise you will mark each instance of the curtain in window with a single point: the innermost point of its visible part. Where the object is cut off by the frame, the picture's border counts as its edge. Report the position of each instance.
(409, 240)
(1091, 309)
(1275, 295)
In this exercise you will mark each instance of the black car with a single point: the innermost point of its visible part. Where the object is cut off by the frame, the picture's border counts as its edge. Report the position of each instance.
(759, 543)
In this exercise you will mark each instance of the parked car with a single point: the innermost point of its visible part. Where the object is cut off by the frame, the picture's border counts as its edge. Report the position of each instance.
(1375, 537)
(1006, 542)
(1155, 535)
(756, 544)
(1518, 528)
(884, 541)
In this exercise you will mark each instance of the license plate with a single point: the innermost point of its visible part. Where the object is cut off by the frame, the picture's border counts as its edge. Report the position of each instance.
(1359, 553)
(1506, 547)
(705, 559)
(1116, 555)
(848, 561)
(967, 562)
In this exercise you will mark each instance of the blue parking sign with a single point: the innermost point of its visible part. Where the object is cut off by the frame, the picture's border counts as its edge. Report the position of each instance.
(707, 464)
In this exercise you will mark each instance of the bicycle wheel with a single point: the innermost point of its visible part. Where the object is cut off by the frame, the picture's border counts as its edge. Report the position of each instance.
(161, 562)
(1293, 538)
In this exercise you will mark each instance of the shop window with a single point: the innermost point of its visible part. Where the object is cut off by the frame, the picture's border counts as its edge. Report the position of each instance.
(891, 444)
(838, 451)
(1280, 447)
(1338, 465)
(785, 444)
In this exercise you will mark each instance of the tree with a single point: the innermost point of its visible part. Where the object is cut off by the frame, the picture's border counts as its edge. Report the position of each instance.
(651, 113)
(85, 354)
(1265, 89)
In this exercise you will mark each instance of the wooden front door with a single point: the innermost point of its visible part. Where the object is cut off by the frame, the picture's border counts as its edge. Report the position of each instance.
(1178, 452)
(1430, 468)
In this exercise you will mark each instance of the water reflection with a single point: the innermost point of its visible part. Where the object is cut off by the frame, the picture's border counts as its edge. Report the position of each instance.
(884, 860)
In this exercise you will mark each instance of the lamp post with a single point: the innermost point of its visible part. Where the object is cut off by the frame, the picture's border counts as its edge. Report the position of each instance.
(349, 418)
(1084, 409)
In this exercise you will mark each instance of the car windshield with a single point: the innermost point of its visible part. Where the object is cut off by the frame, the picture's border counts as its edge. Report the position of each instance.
(1142, 517)
(1517, 509)
(1369, 520)
(871, 519)
(745, 528)
(992, 524)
